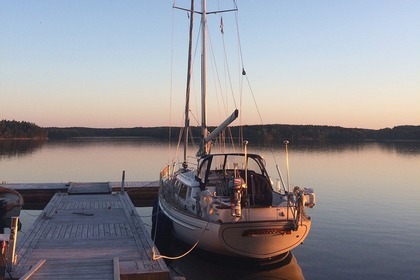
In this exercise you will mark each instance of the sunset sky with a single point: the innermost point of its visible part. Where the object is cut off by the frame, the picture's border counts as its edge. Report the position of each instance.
(112, 63)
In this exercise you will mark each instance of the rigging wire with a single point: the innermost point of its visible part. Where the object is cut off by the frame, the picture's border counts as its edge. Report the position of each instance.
(193, 63)
(227, 71)
(226, 63)
(171, 85)
(241, 132)
(216, 77)
(171, 93)
(242, 75)
(270, 146)
(253, 97)
(228, 78)
(217, 81)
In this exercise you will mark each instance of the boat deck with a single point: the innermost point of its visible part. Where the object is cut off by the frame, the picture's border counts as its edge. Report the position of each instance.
(89, 236)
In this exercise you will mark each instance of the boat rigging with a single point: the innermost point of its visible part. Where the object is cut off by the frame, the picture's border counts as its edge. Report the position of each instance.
(227, 205)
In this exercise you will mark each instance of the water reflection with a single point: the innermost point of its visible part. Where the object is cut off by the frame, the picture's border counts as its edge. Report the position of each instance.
(360, 186)
(404, 148)
(199, 265)
(107, 141)
(19, 148)
(400, 147)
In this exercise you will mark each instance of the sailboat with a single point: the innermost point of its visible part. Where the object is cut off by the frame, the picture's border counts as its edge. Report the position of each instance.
(227, 204)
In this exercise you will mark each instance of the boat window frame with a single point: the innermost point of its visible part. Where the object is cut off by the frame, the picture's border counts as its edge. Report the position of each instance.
(208, 161)
(183, 190)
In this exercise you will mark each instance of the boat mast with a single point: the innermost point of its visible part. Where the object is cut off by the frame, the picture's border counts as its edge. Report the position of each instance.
(205, 137)
(204, 132)
(187, 98)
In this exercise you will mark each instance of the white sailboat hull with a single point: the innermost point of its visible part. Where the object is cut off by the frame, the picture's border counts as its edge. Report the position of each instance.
(250, 239)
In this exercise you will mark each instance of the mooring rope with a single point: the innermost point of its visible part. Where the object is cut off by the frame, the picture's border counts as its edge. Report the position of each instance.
(156, 257)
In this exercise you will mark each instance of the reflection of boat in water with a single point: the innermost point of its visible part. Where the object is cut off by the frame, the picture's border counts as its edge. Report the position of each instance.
(227, 204)
(201, 265)
(11, 203)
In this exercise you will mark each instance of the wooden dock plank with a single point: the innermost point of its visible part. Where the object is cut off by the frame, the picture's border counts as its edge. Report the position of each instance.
(79, 235)
(31, 272)
(91, 188)
(42, 222)
(116, 268)
(37, 195)
(75, 269)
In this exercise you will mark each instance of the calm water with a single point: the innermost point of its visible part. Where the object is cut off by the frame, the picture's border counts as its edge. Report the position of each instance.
(366, 223)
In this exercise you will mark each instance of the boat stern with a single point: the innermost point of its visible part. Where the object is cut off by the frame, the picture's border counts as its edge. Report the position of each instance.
(263, 240)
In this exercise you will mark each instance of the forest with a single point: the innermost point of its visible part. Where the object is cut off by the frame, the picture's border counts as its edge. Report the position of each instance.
(21, 130)
(262, 133)
(259, 133)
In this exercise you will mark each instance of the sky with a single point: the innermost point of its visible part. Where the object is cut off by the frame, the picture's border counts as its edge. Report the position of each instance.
(123, 63)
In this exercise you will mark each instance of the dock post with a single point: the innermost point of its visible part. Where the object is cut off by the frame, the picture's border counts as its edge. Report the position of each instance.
(123, 181)
(11, 258)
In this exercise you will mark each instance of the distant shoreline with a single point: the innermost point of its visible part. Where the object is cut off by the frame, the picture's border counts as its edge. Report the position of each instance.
(14, 130)
(276, 132)
(23, 138)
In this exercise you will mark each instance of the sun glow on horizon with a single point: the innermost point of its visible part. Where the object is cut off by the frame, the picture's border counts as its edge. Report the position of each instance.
(314, 64)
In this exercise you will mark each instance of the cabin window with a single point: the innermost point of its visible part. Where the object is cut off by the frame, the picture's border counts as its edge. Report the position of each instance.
(254, 165)
(182, 191)
(177, 186)
(240, 161)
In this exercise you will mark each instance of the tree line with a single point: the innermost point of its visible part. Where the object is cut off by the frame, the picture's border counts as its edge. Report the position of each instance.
(256, 133)
(316, 132)
(262, 133)
(21, 130)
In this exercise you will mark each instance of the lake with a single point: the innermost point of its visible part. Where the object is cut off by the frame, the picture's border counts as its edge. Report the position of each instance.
(366, 223)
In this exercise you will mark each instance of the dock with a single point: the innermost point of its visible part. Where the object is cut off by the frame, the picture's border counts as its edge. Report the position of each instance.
(37, 195)
(88, 232)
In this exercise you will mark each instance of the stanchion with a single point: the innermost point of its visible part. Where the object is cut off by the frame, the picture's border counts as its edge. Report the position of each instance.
(123, 181)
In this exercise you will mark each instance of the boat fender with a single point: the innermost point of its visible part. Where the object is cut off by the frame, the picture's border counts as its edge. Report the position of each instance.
(310, 197)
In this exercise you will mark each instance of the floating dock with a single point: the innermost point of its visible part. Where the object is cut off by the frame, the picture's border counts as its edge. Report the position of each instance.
(88, 233)
(37, 195)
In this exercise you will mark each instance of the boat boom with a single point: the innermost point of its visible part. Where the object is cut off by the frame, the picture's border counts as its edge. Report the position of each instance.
(222, 126)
